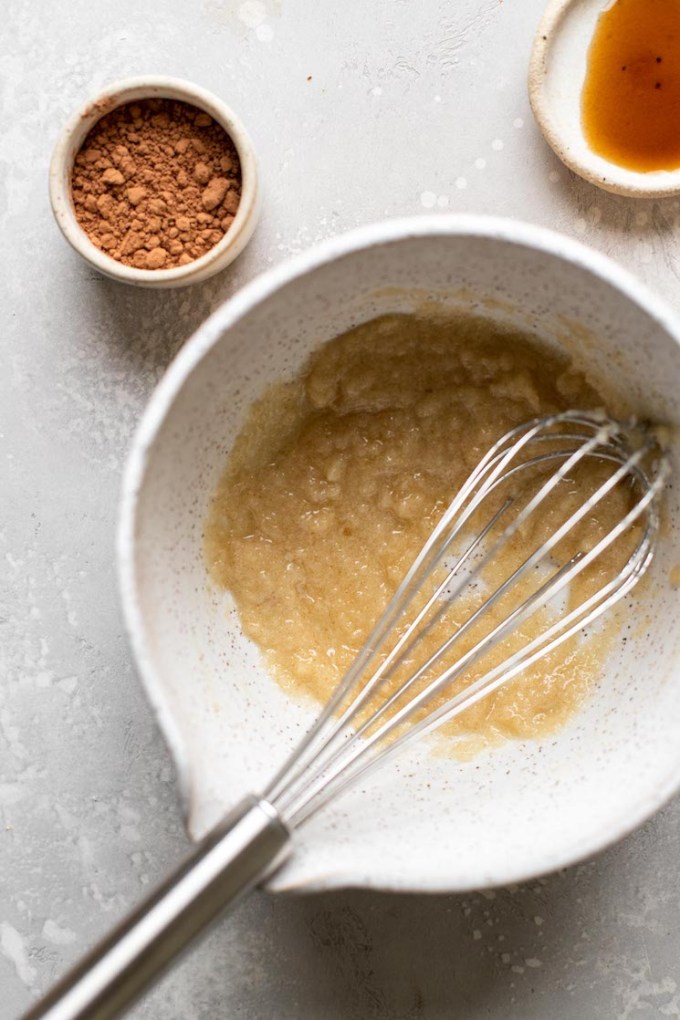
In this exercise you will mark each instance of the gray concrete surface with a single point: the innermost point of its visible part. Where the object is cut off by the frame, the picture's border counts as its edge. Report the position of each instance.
(410, 106)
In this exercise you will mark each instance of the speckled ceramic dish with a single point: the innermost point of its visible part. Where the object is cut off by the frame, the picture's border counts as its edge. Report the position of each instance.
(429, 822)
(557, 72)
(72, 137)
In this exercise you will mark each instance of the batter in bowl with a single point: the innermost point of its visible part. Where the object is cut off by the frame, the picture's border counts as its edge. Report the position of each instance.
(338, 477)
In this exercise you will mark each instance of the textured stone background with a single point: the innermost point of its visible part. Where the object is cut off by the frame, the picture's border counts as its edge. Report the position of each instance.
(411, 106)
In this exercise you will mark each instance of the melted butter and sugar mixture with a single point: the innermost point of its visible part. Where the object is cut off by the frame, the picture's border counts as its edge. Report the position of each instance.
(338, 477)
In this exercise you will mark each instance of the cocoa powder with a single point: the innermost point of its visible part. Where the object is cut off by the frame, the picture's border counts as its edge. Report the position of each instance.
(156, 183)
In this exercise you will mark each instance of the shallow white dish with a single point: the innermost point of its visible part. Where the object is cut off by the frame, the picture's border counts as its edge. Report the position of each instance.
(428, 823)
(557, 72)
(72, 137)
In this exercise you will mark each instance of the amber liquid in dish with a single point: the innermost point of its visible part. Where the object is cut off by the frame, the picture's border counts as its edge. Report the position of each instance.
(630, 105)
(338, 477)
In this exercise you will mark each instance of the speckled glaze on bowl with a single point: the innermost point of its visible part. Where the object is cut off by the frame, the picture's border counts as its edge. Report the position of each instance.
(557, 71)
(426, 822)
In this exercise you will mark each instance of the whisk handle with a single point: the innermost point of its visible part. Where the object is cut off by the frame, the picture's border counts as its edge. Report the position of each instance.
(229, 862)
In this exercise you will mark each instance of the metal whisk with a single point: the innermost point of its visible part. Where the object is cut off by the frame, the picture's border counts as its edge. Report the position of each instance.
(406, 680)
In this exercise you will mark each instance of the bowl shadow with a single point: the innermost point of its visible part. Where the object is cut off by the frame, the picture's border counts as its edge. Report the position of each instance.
(587, 941)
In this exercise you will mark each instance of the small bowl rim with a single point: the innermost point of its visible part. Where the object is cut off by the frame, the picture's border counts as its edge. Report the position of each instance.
(597, 170)
(169, 389)
(74, 133)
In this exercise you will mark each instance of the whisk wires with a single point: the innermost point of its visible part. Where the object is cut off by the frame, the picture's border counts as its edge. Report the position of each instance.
(358, 729)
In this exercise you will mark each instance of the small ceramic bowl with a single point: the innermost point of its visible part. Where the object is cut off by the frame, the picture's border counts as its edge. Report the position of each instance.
(426, 821)
(71, 139)
(557, 72)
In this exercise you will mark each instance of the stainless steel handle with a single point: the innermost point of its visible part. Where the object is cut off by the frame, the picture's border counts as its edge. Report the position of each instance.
(227, 864)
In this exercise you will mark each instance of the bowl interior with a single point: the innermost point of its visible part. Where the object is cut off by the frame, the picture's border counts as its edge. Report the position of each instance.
(426, 822)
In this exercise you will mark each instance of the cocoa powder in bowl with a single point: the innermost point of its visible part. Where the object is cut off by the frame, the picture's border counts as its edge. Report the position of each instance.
(156, 183)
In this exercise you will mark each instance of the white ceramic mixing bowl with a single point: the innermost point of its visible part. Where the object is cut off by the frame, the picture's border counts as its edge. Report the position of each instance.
(428, 822)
